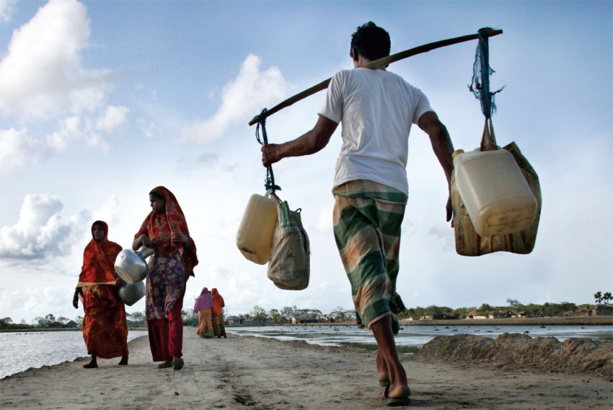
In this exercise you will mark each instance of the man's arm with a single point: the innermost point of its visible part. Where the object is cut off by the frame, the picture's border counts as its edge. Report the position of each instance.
(441, 145)
(309, 143)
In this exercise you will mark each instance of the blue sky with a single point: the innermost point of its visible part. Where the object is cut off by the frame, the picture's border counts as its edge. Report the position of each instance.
(100, 101)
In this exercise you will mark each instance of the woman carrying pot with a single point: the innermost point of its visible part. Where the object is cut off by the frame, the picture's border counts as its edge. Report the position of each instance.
(165, 230)
(104, 326)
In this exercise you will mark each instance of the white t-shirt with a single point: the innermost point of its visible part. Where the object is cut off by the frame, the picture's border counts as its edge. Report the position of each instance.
(376, 109)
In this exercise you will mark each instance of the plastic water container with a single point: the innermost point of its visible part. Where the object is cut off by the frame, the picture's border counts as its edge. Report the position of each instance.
(496, 195)
(254, 235)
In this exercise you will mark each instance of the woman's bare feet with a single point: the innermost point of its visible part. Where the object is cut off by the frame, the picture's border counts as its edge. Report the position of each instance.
(92, 364)
(165, 365)
(124, 361)
(177, 363)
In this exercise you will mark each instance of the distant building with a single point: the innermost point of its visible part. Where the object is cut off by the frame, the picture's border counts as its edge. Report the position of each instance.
(237, 321)
(500, 314)
(476, 315)
(306, 319)
(234, 320)
(135, 324)
(71, 325)
(602, 310)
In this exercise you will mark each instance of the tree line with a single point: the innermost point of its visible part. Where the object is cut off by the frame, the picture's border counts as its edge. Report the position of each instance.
(339, 314)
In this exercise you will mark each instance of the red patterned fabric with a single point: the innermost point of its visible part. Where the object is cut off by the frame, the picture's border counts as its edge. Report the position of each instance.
(160, 228)
(218, 302)
(105, 330)
(166, 335)
(99, 260)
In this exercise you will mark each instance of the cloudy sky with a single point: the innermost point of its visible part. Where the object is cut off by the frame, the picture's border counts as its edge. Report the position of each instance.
(101, 101)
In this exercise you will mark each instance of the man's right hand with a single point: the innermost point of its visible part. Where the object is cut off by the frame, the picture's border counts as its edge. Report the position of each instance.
(270, 154)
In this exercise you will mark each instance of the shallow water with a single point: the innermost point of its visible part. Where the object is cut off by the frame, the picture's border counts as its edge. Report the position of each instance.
(415, 336)
(20, 351)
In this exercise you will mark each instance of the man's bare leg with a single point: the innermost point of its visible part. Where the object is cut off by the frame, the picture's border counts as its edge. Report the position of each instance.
(382, 370)
(382, 329)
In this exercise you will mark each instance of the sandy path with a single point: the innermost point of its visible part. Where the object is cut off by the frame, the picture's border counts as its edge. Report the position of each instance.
(240, 372)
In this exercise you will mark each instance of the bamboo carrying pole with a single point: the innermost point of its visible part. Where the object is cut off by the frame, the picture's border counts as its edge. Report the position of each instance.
(489, 32)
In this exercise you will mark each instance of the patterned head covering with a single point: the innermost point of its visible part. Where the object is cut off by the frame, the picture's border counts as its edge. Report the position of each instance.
(99, 260)
(204, 301)
(218, 301)
(175, 222)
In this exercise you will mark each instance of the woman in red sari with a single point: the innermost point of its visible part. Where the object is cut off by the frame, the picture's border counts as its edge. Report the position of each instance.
(165, 230)
(218, 304)
(104, 326)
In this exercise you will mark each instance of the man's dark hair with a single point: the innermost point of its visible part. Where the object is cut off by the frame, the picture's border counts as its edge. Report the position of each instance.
(370, 41)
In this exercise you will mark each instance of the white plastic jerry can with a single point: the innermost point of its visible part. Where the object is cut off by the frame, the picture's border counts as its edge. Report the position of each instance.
(254, 235)
(497, 197)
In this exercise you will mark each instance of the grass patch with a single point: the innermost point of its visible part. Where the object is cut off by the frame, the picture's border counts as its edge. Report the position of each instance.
(373, 347)
(604, 338)
(407, 349)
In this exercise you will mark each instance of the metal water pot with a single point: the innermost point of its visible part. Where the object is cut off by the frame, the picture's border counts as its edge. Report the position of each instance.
(131, 266)
(130, 294)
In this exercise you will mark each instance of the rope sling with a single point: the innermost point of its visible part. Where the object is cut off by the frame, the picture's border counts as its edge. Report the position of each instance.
(480, 85)
(269, 182)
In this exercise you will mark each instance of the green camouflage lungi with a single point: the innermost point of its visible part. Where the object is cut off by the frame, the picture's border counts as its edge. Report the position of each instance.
(367, 221)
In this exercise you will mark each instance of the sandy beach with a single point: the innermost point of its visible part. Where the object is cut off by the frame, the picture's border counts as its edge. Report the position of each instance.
(240, 372)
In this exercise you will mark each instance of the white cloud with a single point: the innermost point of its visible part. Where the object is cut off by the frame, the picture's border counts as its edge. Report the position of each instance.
(109, 211)
(7, 8)
(96, 141)
(114, 117)
(39, 231)
(69, 130)
(41, 75)
(76, 128)
(42, 78)
(17, 149)
(243, 96)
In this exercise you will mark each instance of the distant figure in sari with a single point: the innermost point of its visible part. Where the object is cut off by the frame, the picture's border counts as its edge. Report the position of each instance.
(204, 307)
(165, 230)
(104, 327)
(218, 304)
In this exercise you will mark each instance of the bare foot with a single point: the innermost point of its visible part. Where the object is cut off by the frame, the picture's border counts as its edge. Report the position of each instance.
(396, 392)
(177, 363)
(165, 365)
(90, 365)
(124, 361)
